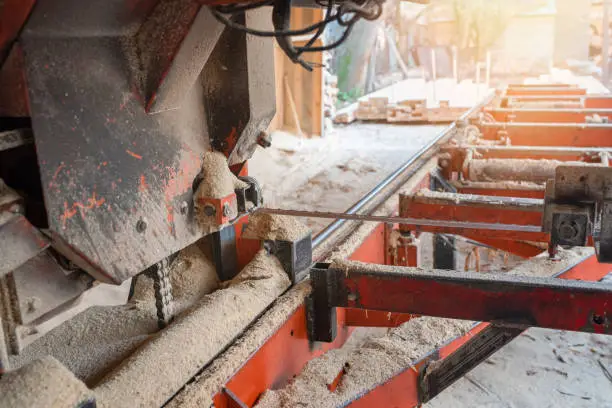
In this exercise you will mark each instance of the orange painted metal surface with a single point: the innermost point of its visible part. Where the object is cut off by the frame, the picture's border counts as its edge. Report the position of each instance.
(279, 359)
(547, 91)
(375, 318)
(545, 134)
(373, 249)
(466, 213)
(546, 115)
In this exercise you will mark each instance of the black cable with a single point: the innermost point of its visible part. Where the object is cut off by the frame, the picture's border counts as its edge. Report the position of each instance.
(314, 38)
(368, 10)
(344, 36)
(282, 33)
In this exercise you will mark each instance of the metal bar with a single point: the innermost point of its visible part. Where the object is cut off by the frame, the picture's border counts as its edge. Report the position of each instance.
(368, 198)
(549, 110)
(557, 150)
(513, 301)
(401, 220)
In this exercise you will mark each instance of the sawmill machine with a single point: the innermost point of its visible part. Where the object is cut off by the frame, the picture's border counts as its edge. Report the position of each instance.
(106, 111)
(125, 132)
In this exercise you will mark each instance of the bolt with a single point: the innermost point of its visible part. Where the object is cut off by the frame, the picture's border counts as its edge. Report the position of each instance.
(444, 163)
(352, 297)
(183, 208)
(17, 208)
(226, 210)
(209, 210)
(141, 225)
(264, 140)
(568, 230)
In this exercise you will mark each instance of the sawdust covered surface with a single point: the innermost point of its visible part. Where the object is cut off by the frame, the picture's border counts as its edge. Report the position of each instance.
(380, 358)
(42, 383)
(95, 340)
(275, 227)
(218, 181)
(530, 170)
(160, 367)
(208, 383)
(374, 362)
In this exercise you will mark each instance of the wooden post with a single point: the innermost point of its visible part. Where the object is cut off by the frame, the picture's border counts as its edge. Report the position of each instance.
(488, 70)
(455, 73)
(605, 46)
(434, 73)
(478, 79)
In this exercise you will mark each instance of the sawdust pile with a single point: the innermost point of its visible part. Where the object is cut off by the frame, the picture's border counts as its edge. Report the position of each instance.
(501, 185)
(217, 182)
(161, 366)
(201, 391)
(95, 340)
(192, 276)
(275, 227)
(372, 363)
(42, 383)
(543, 266)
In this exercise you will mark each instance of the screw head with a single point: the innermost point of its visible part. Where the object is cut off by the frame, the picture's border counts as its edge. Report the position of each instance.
(209, 210)
(141, 225)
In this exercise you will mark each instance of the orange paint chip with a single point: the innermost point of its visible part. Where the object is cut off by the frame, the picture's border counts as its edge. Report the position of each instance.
(131, 153)
(142, 186)
(71, 211)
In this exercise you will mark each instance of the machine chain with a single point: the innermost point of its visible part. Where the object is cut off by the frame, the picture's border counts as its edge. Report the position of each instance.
(163, 293)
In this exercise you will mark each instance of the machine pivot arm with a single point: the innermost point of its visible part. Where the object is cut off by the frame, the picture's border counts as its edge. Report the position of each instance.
(504, 300)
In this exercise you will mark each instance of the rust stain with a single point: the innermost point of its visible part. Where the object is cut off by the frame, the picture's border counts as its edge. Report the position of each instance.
(142, 185)
(70, 211)
(131, 153)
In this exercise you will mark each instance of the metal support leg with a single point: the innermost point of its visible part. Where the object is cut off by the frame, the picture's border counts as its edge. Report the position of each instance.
(443, 251)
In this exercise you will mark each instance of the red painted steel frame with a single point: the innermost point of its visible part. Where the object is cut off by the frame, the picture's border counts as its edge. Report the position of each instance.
(402, 389)
(286, 352)
(545, 115)
(511, 241)
(599, 101)
(545, 91)
(550, 134)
